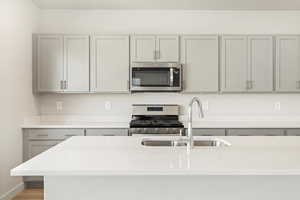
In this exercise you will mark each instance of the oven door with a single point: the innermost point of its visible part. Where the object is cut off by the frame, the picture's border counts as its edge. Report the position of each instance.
(155, 79)
(142, 132)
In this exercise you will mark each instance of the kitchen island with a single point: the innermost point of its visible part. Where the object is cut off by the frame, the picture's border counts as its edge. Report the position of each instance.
(114, 168)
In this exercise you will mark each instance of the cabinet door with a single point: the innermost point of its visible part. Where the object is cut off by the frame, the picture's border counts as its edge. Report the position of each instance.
(37, 147)
(167, 48)
(107, 132)
(208, 132)
(293, 132)
(234, 63)
(260, 63)
(53, 134)
(143, 48)
(110, 67)
(287, 64)
(77, 63)
(200, 59)
(49, 63)
(34, 149)
(255, 132)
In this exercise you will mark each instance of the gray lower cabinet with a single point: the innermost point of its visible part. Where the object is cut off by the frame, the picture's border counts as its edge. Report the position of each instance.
(208, 132)
(107, 132)
(33, 148)
(36, 141)
(293, 132)
(255, 132)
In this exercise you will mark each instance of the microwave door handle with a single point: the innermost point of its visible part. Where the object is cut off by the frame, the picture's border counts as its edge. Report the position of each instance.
(171, 77)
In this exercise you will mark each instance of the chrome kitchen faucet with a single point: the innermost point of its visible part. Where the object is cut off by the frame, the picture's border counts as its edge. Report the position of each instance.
(190, 119)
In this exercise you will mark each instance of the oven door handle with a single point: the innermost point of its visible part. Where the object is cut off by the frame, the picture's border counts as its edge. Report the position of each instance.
(171, 77)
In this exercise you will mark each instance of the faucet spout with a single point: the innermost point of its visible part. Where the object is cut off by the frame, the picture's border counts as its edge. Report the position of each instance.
(190, 119)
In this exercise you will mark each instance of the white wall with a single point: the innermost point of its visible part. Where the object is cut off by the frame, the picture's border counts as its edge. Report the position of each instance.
(188, 22)
(18, 19)
(114, 21)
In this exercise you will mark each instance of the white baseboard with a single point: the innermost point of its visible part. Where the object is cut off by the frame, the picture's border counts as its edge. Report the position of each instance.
(13, 192)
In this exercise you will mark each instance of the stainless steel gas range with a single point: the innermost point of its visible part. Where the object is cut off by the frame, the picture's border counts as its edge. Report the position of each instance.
(155, 120)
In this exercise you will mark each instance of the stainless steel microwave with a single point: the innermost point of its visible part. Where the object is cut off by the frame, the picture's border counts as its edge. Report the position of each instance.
(156, 77)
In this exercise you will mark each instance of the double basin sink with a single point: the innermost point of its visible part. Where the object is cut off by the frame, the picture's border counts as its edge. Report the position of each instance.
(182, 143)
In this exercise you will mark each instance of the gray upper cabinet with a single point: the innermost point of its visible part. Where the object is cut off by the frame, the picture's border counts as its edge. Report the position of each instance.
(247, 63)
(143, 48)
(155, 48)
(200, 59)
(288, 63)
(48, 52)
(110, 64)
(167, 48)
(260, 64)
(61, 63)
(77, 62)
(36, 141)
(234, 64)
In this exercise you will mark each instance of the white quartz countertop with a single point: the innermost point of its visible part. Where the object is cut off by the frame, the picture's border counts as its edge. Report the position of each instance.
(100, 156)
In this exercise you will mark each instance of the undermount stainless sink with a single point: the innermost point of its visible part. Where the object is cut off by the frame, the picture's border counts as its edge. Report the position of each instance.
(180, 143)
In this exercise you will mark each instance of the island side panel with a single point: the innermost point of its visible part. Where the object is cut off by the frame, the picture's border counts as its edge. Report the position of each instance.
(171, 187)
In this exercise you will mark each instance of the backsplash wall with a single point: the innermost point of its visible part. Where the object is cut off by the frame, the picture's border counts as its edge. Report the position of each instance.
(170, 22)
(215, 105)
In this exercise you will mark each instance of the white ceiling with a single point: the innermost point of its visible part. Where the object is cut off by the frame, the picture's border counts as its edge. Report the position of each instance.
(171, 4)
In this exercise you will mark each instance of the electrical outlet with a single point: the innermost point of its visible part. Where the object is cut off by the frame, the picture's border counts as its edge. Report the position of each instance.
(107, 105)
(205, 106)
(277, 106)
(59, 106)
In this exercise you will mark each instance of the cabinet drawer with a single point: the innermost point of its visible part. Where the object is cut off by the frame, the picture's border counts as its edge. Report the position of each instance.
(53, 134)
(293, 132)
(107, 132)
(255, 132)
(208, 132)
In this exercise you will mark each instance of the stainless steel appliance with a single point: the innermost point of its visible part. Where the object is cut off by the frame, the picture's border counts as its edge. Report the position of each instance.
(155, 120)
(156, 77)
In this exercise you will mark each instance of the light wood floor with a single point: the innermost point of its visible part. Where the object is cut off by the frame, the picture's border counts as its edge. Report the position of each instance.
(30, 194)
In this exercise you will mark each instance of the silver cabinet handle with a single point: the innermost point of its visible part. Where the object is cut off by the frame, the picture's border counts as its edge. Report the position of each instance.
(249, 85)
(42, 135)
(157, 54)
(298, 84)
(65, 85)
(70, 135)
(61, 85)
